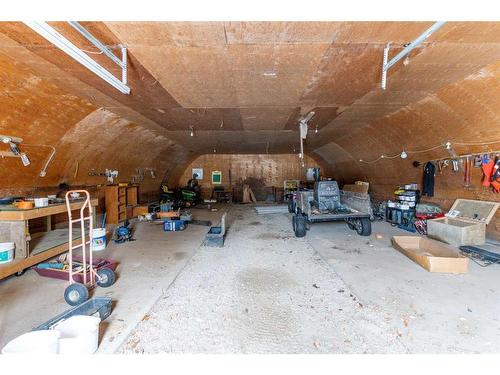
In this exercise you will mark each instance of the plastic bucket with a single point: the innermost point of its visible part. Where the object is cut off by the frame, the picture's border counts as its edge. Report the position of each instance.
(79, 334)
(6, 252)
(35, 342)
(98, 239)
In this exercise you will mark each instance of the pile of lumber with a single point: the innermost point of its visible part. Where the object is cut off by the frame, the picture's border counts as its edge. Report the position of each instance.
(248, 195)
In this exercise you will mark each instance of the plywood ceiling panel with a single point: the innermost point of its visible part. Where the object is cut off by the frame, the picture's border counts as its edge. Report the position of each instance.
(201, 119)
(380, 32)
(282, 32)
(257, 78)
(346, 74)
(268, 118)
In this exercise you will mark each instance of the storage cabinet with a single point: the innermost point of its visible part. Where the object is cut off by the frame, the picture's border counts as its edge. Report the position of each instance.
(120, 201)
(132, 200)
(116, 203)
(132, 195)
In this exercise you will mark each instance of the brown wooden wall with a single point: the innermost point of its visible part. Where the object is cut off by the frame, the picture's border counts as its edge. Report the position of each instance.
(267, 170)
(466, 112)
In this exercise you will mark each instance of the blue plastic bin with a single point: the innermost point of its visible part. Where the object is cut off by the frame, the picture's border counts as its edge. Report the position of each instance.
(174, 225)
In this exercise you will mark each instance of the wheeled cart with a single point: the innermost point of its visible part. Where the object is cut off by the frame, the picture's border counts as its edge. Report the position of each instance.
(86, 276)
(324, 204)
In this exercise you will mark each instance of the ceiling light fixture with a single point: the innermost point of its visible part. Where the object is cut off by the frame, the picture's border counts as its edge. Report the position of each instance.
(269, 74)
(215, 150)
(406, 61)
(403, 155)
(13, 143)
(303, 127)
(386, 64)
(49, 33)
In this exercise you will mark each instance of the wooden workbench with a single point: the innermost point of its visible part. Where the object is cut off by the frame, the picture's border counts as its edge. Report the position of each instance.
(38, 247)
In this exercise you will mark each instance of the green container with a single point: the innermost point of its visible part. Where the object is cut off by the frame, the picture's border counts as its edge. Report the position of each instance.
(188, 195)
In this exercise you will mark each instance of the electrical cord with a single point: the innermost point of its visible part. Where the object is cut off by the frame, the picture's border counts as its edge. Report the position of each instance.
(445, 145)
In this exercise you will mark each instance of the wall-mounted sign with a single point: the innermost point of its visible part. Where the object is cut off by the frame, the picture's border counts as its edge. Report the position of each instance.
(198, 172)
(216, 177)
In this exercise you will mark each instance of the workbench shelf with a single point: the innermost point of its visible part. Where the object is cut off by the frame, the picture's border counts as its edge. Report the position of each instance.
(33, 248)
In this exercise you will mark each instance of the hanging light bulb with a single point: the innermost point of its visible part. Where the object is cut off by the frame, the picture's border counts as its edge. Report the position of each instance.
(404, 155)
(192, 131)
(316, 130)
(215, 150)
(406, 61)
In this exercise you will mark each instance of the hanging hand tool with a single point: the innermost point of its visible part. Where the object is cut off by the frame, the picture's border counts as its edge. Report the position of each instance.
(467, 172)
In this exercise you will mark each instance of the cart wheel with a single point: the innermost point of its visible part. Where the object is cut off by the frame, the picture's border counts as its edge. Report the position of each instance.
(300, 226)
(293, 222)
(76, 294)
(351, 225)
(20, 273)
(106, 277)
(290, 206)
(363, 226)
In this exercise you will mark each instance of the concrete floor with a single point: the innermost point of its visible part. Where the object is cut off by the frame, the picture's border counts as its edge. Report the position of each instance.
(269, 292)
(146, 268)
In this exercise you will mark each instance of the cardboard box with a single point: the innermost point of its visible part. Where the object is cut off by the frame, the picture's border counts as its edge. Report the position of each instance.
(165, 214)
(432, 255)
(465, 223)
(140, 210)
(356, 188)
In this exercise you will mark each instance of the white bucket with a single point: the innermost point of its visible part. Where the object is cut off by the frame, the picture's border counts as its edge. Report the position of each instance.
(79, 334)
(98, 239)
(6, 252)
(35, 342)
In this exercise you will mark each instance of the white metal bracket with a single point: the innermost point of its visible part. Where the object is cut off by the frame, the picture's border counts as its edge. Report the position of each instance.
(386, 65)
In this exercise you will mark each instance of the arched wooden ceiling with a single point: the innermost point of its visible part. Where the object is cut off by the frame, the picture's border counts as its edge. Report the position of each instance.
(242, 87)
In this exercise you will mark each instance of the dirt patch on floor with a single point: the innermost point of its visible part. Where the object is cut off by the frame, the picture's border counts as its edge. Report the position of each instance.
(180, 255)
(270, 236)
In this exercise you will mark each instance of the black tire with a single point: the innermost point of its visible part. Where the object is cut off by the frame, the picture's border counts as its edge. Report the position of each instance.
(106, 277)
(294, 218)
(364, 226)
(300, 226)
(76, 294)
(290, 205)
